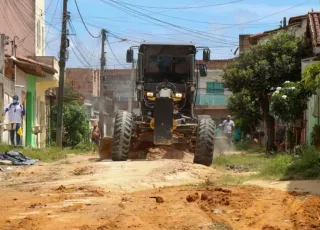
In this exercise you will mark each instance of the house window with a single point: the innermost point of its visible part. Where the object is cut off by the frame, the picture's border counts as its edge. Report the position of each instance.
(38, 34)
(214, 87)
(42, 41)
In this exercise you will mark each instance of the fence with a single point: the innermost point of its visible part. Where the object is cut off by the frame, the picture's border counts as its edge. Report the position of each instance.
(211, 99)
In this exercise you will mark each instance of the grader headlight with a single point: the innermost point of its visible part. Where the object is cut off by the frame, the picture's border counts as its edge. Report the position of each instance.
(149, 94)
(178, 95)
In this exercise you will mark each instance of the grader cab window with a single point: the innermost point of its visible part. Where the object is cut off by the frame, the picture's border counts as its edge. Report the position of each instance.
(162, 67)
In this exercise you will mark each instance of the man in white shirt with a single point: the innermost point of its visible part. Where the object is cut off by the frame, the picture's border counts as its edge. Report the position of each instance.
(15, 112)
(228, 126)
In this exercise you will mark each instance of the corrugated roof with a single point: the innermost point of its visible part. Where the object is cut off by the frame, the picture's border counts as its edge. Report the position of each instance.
(297, 18)
(314, 26)
(265, 33)
(32, 67)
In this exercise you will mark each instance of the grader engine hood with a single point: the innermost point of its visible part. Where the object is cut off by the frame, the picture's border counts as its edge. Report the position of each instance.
(163, 121)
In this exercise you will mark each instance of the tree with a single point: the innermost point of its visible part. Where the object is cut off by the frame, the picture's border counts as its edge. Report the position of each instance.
(290, 101)
(311, 77)
(246, 109)
(75, 118)
(263, 68)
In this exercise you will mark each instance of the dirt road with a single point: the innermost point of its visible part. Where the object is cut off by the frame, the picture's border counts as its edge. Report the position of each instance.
(80, 193)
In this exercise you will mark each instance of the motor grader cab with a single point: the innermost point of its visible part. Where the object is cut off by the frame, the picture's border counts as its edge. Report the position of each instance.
(166, 81)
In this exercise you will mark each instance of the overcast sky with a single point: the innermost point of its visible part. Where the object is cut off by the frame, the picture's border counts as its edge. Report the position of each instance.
(213, 23)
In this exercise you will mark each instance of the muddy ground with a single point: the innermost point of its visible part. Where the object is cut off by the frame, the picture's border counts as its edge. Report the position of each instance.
(80, 193)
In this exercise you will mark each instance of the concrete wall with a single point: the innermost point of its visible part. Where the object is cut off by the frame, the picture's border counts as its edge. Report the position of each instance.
(299, 31)
(19, 19)
(85, 81)
(41, 109)
(118, 87)
(52, 61)
(40, 27)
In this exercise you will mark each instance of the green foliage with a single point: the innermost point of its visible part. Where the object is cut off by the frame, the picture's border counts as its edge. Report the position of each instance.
(75, 119)
(306, 167)
(266, 66)
(48, 154)
(315, 134)
(282, 166)
(246, 109)
(289, 101)
(311, 77)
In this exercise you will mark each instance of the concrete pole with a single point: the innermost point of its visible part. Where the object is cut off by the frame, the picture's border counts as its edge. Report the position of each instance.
(102, 75)
(62, 64)
(130, 99)
(2, 69)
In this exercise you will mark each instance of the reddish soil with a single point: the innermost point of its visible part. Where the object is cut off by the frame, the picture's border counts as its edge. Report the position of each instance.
(86, 195)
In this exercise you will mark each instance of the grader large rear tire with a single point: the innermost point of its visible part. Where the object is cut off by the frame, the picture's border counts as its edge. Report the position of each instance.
(122, 136)
(205, 141)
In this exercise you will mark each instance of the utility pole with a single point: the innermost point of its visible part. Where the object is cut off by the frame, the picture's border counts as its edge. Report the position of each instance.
(2, 68)
(130, 99)
(102, 75)
(62, 65)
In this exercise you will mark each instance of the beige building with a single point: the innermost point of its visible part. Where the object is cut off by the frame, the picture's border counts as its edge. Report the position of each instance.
(27, 71)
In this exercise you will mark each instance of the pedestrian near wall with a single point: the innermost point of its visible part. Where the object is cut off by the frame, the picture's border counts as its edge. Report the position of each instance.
(15, 112)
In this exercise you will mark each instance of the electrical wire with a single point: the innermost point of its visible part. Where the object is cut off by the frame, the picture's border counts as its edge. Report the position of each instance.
(54, 13)
(269, 15)
(77, 47)
(3, 11)
(32, 10)
(75, 1)
(193, 33)
(114, 54)
(180, 8)
(48, 6)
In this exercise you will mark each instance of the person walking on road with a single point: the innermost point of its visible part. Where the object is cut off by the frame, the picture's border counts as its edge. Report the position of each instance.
(15, 112)
(228, 126)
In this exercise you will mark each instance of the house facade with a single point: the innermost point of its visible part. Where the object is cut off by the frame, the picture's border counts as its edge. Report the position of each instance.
(307, 27)
(212, 97)
(25, 70)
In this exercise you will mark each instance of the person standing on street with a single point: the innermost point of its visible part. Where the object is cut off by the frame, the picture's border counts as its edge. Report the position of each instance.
(15, 112)
(95, 133)
(228, 126)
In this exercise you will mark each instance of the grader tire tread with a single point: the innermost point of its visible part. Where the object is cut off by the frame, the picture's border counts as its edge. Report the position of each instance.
(205, 141)
(122, 136)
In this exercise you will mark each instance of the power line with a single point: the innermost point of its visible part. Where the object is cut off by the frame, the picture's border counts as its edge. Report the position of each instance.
(269, 15)
(32, 10)
(184, 19)
(77, 46)
(55, 10)
(180, 8)
(75, 1)
(114, 54)
(193, 33)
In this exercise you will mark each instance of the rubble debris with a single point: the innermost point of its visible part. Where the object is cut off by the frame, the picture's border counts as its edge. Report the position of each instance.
(193, 197)
(159, 199)
(204, 196)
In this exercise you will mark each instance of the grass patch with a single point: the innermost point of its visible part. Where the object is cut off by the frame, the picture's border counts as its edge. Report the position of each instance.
(252, 162)
(275, 167)
(220, 226)
(306, 167)
(231, 180)
(48, 154)
(278, 167)
(249, 147)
